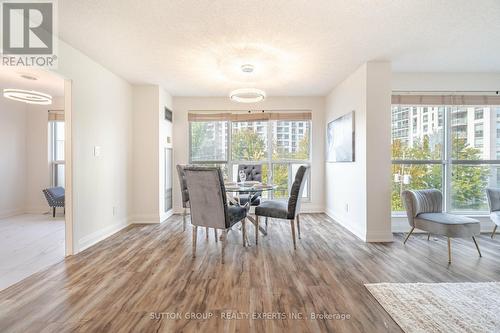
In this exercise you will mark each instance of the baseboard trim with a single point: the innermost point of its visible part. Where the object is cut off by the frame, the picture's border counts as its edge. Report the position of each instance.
(144, 219)
(98, 236)
(9, 213)
(355, 232)
(166, 215)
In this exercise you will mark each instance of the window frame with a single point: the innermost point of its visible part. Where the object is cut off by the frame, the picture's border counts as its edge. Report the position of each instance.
(54, 163)
(447, 161)
(269, 161)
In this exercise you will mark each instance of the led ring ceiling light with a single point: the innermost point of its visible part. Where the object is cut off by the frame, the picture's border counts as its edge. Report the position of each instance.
(27, 96)
(247, 95)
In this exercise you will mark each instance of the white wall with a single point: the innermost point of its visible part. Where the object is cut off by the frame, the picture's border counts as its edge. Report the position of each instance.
(12, 157)
(101, 116)
(358, 193)
(182, 105)
(462, 82)
(150, 137)
(38, 168)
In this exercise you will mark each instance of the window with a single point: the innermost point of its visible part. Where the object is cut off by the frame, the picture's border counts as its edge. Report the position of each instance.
(478, 113)
(458, 155)
(57, 152)
(281, 146)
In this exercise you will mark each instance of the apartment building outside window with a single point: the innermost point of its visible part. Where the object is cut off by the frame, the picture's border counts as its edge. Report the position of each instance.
(280, 146)
(458, 154)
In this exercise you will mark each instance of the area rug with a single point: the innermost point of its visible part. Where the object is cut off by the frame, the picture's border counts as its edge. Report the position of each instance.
(441, 307)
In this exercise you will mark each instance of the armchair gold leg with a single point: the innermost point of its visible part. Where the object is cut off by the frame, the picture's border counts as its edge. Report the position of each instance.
(244, 232)
(256, 230)
(215, 233)
(298, 225)
(449, 250)
(292, 224)
(408, 236)
(195, 232)
(494, 230)
(477, 246)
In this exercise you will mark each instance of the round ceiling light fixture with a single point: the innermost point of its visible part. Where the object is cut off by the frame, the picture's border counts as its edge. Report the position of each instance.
(27, 96)
(28, 76)
(247, 68)
(247, 95)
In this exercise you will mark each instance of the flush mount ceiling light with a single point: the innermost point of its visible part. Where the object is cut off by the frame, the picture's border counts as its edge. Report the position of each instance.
(247, 95)
(28, 76)
(247, 68)
(27, 96)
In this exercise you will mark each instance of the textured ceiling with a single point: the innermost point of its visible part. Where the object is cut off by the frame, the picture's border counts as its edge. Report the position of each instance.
(47, 82)
(195, 47)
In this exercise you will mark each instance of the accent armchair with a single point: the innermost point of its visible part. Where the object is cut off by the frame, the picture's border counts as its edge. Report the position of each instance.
(208, 203)
(286, 210)
(424, 211)
(55, 198)
(493, 195)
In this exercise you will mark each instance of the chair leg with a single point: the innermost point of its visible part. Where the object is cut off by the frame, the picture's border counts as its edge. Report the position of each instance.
(184, 220)
(207, 229)
(195, 234)
(494, 230)
(53, 211)
(266, 223)
(215, 233)
(292, 224)
(256, 229)
(429, 236)
(244, 232)
(223, 247)
(408, 236)
(477, 246)
(298, 225)
(449, 250)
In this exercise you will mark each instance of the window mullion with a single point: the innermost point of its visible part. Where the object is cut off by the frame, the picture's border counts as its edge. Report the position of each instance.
(447, 152)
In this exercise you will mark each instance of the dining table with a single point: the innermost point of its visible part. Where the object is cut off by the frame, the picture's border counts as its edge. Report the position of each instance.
(234, 190)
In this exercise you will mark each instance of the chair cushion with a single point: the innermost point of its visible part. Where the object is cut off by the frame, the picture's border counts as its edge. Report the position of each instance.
(495, 217)
(236, 214)
(447, 224)
(245, 197)
(273, 208)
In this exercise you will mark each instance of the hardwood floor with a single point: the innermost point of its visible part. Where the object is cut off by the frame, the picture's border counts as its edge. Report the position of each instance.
(29, 243)
(120, 284)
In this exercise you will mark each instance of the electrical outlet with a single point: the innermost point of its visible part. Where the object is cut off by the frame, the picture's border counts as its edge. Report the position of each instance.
(97, 151)
(346, 207)
(115, 210)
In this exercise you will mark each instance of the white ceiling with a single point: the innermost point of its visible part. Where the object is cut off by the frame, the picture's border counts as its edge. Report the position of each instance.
(47, 82)
(195, 47)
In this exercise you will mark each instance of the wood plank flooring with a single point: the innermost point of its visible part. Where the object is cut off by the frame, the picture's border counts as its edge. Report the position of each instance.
(120, 284)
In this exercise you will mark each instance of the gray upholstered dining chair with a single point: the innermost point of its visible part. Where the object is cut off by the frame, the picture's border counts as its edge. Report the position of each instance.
(493, 195)
(208, 203)
(286, 210)
(253, 173)
(424, 211)
(185, 197)
(184, 193)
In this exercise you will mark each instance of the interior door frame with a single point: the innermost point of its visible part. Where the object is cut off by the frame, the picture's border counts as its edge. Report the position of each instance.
(68, 169)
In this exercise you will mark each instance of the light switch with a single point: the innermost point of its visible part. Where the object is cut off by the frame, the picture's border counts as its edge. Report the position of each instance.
(97, 151)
